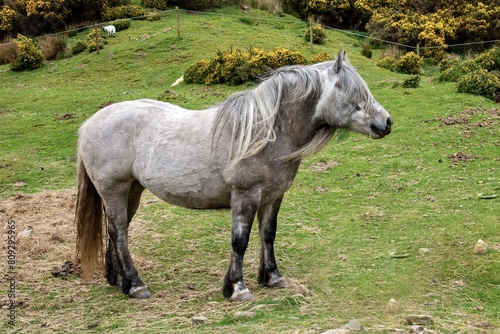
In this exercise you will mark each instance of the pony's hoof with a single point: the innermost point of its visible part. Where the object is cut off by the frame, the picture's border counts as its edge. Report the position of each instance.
(279, 282)
(241, 296)
(141, 292)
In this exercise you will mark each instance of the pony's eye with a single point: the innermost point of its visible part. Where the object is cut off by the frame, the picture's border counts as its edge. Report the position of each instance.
(358, 108)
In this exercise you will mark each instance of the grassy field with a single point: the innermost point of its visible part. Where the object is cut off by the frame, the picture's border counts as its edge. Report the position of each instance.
(365, 222)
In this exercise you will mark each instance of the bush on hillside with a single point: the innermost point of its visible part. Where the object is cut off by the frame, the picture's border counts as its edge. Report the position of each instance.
(387, 62)
(92, 40)
(156, 4)
(410, 63)
(124, 12)
(320, 57)
(455, 72)
(318, 35)
(413, 81)
(480, 82)
(120, 24)
(79, 47)
(489, 60)
(153, 16)
(28, 56)
(236, 66)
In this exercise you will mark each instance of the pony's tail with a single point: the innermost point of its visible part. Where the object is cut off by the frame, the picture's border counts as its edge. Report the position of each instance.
(89, 224)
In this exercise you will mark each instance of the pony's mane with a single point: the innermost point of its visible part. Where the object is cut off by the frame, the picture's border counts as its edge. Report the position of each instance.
(251, 114)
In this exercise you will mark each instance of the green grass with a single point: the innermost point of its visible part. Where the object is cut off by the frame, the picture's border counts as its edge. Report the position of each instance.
(338, 227)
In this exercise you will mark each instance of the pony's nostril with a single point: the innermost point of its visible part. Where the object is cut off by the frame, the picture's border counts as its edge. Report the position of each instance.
(389, 122)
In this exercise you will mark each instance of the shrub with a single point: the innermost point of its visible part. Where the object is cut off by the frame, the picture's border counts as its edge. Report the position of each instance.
(28, 56)
(197, 72)
(318, 35)
(235, 67)
(123, 12)
(157, 4)
(366, 49)
(489, 60)
(448, 62)
(120, 24)
(282, 57)
(53, 47)
(410, 63)
(320, 57)
(413, 81)
(455, 72)
(92, 40)
(153, 16)
(79, 47)
(480, 82)
(388, 62)
(7, 52)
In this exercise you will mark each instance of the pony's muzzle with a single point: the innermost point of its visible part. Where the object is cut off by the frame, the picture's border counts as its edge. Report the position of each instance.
(381, 131)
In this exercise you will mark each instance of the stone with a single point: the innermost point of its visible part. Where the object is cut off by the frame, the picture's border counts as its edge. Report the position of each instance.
(337, 331)
(199, 320)
(417, 329)
(423, 251)
(393, 306)
(419, 320)
(244, 314)
(481, 247)
(354, 326)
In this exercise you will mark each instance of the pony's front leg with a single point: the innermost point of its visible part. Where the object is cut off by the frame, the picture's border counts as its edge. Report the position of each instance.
(268, 221)
(243, 208)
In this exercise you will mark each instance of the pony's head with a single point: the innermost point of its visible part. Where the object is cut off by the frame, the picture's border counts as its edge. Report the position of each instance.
(346, 101)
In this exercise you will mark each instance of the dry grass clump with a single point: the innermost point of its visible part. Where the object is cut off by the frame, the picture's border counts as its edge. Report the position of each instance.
(53, 46)
(7, 52)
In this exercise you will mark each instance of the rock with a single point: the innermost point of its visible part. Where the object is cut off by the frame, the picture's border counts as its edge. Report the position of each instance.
(481, 247)
(354, 326)
(419, 320)
(337, 331)
(244, 314)
(199, 320)
(27, 232)
(392, 306)
(423, 251)
(417, 329)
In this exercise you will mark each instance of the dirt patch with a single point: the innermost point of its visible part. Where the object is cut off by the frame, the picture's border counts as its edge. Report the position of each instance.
(490, 118)
(45, 234)
(323, 166)
(459, 157)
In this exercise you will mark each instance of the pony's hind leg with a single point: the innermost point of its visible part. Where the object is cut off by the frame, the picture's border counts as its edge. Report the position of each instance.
(268, 220)
(119, 213)
(113, 267)
(243, 208)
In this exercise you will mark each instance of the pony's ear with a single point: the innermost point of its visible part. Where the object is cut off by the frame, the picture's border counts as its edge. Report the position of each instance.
(338, 64)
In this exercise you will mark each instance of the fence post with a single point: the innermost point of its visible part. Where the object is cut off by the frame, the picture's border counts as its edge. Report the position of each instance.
(418, 49)
(96, 40)
(310, 32)
(178, 24)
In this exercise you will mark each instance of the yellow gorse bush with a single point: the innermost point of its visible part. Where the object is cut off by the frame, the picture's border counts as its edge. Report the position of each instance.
(236, 66)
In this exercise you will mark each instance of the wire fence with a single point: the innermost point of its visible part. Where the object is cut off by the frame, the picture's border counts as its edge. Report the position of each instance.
(284, 20)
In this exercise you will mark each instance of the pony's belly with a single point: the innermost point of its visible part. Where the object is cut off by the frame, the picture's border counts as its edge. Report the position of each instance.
(195, 195)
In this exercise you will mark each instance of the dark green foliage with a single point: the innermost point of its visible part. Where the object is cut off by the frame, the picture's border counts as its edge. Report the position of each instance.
(79, 47)
(121, 24)
(123, 12)
(480, 82)
(157, 4)
(318, 35)
(366, 49)
(413, 81)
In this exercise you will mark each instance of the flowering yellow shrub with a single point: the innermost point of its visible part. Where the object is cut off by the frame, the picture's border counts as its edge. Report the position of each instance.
(320, 57)
(6, 18)
(236, 66)
(479, 82)
(28, 56)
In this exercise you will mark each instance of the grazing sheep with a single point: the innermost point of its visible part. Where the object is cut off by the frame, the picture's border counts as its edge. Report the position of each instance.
(111, 30)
